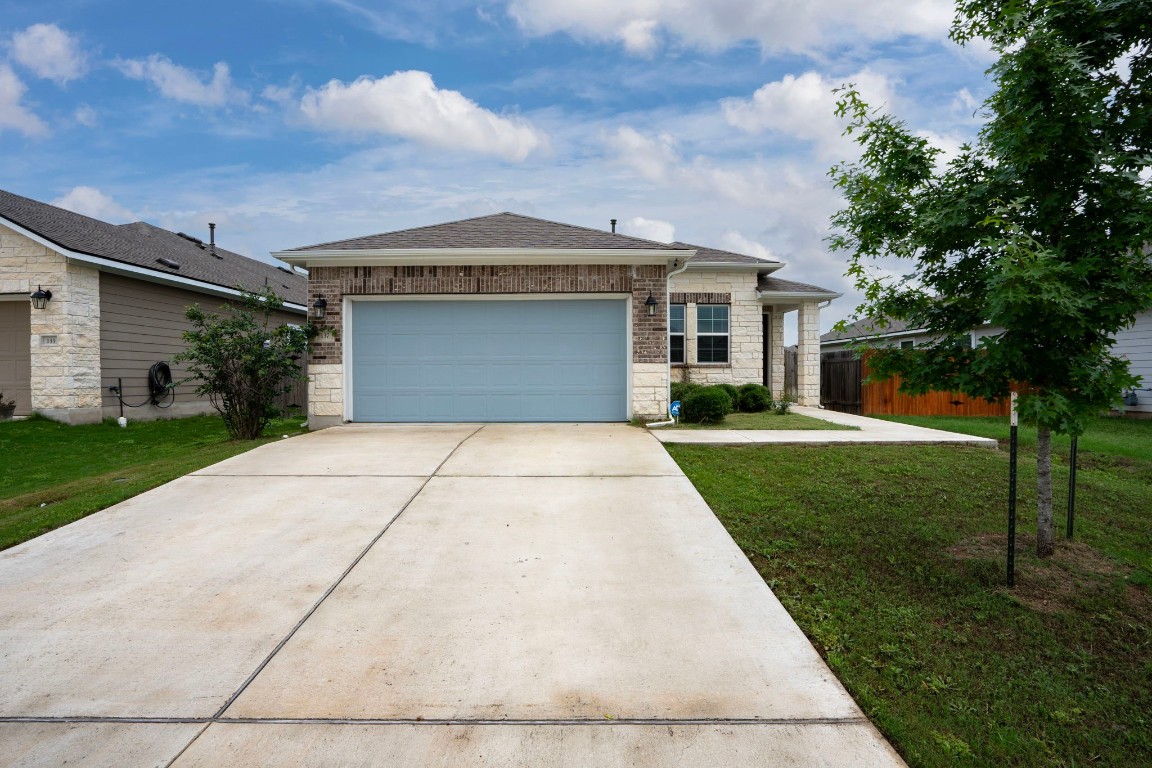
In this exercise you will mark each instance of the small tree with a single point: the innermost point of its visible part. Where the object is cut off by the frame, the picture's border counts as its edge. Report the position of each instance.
(1040, 229)
(243, 361)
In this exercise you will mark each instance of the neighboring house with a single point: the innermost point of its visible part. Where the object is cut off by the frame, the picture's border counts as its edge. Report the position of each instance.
(512, 318)
(1133, 343)
(117, 307)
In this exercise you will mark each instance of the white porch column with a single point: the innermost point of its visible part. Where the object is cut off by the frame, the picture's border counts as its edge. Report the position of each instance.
(776, 352)
(808, 355)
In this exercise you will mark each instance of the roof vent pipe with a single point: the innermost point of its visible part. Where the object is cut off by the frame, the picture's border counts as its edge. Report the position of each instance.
(613, 226)
(212, 239)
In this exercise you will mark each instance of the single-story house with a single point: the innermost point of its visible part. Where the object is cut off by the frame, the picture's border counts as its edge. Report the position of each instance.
(118, 294)
(512, 318)
(1134, 343)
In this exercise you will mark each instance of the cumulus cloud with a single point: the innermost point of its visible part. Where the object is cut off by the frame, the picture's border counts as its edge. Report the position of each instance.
(776, 25)
(409, 105)
(182, 84)
(737, 243)
(804, 108)
(13, 114)
(86, 116)
(49, 52)
(649, 229)
(90, 201)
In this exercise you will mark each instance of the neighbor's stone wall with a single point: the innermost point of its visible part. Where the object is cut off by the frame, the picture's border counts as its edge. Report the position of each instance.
(65, 375)
(745, 329)
(649, 333)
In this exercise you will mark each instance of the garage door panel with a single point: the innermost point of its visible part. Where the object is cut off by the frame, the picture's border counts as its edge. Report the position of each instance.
(515, 360)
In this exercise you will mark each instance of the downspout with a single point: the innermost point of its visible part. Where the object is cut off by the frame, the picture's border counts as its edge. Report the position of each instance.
(668, 324)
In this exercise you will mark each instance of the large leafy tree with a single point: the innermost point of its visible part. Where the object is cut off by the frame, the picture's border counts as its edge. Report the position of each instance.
(1040, 228)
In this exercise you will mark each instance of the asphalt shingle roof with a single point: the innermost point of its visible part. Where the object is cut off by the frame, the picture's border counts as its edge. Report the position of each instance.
(768, 283)
(866, 327)
(141, 244)
(706, 255)
(500, 230)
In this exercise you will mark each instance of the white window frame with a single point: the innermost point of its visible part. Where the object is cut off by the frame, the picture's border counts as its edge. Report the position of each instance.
(727, 335)
(683, 334)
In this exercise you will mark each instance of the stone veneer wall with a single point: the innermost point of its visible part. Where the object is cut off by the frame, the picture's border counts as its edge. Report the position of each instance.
(65, 375)
(649, 334)
(808, 355)
(745, 328)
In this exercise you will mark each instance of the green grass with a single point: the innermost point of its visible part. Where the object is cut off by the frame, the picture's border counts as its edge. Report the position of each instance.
(1109, 435)
(891, 559)
(766, 420)
(52, 474)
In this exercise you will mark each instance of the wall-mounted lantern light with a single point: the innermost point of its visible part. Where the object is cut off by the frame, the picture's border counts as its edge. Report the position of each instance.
(319, 308)
(651, 303)
(41, 298)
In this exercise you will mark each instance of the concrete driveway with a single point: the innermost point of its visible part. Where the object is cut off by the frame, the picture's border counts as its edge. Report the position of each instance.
(512, 595)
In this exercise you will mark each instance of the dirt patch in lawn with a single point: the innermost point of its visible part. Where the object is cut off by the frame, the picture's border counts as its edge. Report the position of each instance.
(1076, 571)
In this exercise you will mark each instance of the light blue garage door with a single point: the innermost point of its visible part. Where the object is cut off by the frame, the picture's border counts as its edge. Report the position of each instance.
(526, 360)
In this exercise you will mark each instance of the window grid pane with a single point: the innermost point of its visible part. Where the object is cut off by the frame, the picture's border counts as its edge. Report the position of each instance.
(712, 333)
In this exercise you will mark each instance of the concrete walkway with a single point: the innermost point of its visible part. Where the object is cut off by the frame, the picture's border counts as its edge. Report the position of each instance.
(517, 595)
(867, 431)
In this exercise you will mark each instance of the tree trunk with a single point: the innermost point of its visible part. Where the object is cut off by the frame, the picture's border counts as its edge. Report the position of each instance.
(1045, 530)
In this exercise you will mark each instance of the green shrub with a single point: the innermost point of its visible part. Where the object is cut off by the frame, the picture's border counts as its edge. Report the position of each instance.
(754, 398)
(680, 389)
(733, 393)
(784, 404)
(706, 405)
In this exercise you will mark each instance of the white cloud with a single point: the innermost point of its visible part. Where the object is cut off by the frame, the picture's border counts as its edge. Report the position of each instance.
(90, 201)
(804, 108)
(49, 52)
(776, 25)
(737, 243)
(13, 114)
(182, 84)
(409, 105)
(649, 229)
(86, 116)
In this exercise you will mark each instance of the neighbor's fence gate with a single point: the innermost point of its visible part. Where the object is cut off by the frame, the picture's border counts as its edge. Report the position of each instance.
(841, 374)
(791, 356)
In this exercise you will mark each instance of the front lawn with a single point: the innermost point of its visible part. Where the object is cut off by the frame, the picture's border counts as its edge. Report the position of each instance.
(52, 474)
(766, 420)
(891, 559)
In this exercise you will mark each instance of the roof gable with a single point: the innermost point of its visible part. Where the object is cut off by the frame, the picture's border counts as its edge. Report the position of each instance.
(705, 255)
(142, 245)
(497, 231)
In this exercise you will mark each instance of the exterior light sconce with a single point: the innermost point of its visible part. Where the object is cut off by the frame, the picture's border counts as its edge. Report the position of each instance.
(650, 302)
(41, 298)
(319, 308)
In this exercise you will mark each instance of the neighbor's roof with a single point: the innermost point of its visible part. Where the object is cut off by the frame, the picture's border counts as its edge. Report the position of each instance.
(500, 230)
(141, 244)
(767, 284)
(706, 255)
(868, 327)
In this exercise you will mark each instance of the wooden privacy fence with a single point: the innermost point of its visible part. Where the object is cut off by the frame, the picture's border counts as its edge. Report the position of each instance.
(883, 398)
(297, 397)
(791, 376)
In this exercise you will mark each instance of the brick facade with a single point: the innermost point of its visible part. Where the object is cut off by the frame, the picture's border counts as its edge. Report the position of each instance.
(649, 332)
(700, 298)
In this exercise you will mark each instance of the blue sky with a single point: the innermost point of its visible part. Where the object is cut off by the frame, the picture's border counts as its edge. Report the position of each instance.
(291, 122)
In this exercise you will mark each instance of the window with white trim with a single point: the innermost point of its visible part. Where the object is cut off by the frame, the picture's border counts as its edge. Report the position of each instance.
(712, 333)
(676, 333)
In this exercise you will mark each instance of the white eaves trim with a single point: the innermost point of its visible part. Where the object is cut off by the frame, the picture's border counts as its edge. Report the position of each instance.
(766, 267)
(404, 257)
(767, 296)
(131, 270)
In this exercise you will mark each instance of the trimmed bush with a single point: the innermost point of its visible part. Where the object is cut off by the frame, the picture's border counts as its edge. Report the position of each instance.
(680, 389)
(706, 405)
(755, 398)
(733, 393)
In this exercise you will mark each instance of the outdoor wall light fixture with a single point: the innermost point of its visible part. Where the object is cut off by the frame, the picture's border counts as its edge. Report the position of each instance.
(319, 308)
(41, 298)
(650, 303)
